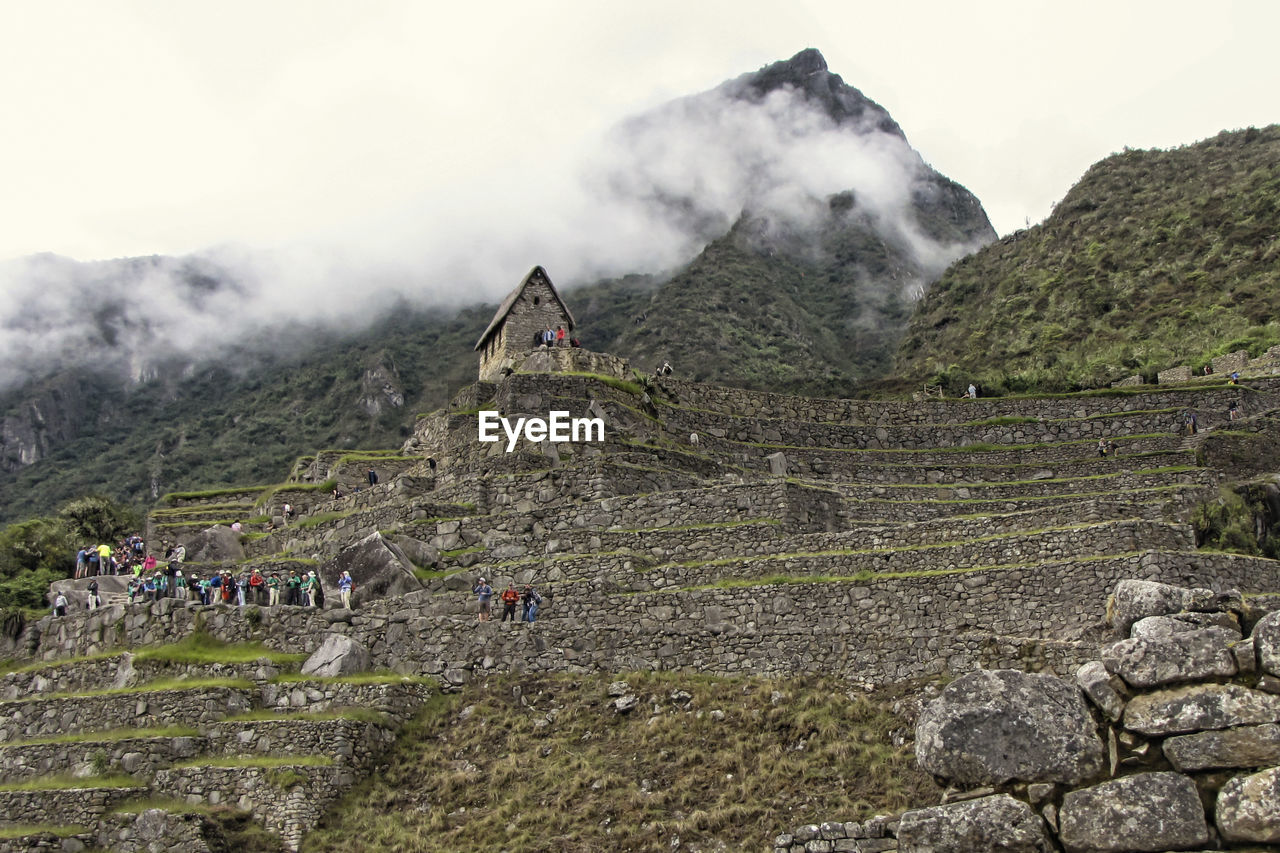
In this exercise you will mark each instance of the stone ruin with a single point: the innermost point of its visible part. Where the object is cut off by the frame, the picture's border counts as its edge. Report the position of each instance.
(915, 540)
(1170, 740)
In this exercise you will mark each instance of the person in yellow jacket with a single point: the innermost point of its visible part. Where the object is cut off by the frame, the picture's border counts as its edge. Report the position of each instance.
(104, 560)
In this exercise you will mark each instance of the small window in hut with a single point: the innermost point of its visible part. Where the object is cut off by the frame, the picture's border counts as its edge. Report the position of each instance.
(537, 300)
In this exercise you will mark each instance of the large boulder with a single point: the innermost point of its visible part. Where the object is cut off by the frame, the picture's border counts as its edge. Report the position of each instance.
(1200, 707)
(1184, 656)
(337, 655)
(974, 826)
(1249, 808)
(379, 568)
(1266, 641)
(1149, 811)
(1163, 626)
(995, 727)
(1243, 746)
(1135, 599)
(421, 554)
(217, 544)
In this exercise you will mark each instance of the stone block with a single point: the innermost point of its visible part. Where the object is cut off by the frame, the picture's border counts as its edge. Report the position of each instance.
(1146, 812)
(1248, 808)
(1266, 642)
(1183, 656)
(995, 727)
(1095, 681)
(974, 826)
(1200, 707)
(1243, 746)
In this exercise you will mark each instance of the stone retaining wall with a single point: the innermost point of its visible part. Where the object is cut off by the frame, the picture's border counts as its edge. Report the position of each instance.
(1168, 740)
(65, 807)
(83, 676)
(345, 741)
(56, 715)
(287, 809)
(153, 831)
(140, 756)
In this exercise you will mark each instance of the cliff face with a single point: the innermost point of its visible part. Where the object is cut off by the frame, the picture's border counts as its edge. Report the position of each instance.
(47, 416)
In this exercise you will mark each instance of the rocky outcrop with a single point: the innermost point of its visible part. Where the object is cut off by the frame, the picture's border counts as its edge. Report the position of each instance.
(338, 655)
(379, 568)
(217, 544)
(1149, 811)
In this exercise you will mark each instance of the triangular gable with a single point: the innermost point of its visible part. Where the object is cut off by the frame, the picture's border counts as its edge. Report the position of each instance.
(507, 304)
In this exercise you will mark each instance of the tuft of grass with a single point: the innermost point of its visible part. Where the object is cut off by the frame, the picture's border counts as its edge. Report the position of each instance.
(65, 781)
(356, 714)
(360, 678)
(22, 830)
(150, 687)
(199, 647)
(259, 761)
(321, 518)
(544, 762)
(108, 736)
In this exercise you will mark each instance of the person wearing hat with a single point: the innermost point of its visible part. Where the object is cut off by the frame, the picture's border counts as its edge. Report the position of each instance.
(345, 585)
(273, 589)
(317, 591)
(484, 593)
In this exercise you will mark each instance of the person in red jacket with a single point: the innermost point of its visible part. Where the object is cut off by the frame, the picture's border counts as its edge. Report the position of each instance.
(510, 598)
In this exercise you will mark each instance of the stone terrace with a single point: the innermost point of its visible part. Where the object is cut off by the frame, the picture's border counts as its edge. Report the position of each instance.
(878, 541)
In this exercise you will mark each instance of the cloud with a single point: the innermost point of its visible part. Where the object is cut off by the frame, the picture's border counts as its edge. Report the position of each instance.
(644, 198)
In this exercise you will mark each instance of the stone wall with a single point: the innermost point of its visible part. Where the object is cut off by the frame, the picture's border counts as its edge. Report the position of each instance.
(345, 741)
(67, 807)
(152, 831)
(1169, 740)
(54, 715)
(287, 803)
(142, 756)
(885, 629)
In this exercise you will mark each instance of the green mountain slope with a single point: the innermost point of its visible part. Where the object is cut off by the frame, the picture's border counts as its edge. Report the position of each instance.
(1154, 259)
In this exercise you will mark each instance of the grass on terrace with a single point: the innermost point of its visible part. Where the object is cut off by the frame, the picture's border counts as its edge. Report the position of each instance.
(545, 763)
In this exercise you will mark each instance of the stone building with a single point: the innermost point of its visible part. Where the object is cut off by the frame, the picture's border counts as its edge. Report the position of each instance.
(531, 307)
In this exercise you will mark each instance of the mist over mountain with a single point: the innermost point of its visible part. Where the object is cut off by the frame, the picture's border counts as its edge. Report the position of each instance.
(645, 199)
(776, 228)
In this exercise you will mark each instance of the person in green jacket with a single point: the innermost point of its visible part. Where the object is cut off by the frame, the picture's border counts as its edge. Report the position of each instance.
(273, 589)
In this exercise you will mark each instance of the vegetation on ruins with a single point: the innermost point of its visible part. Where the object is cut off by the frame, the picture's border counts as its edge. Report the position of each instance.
(1154, 259)
(545, 762)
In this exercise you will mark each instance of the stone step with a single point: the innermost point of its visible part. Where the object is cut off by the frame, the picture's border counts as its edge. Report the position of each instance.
(50, 715)
(997, 431)
(750, 538)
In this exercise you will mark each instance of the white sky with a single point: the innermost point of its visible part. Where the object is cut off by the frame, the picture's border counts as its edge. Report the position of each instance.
(131, 128)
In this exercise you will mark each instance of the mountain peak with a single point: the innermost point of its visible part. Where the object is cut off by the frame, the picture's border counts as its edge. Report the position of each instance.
(807, 73)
